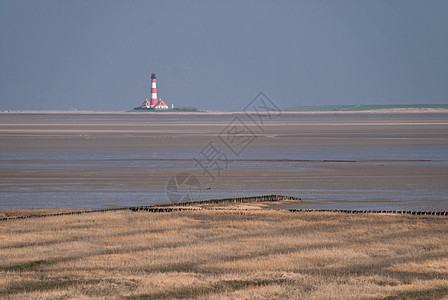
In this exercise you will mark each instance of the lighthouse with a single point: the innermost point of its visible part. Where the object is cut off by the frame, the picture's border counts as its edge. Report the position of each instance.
(152, 103)
(153, 91)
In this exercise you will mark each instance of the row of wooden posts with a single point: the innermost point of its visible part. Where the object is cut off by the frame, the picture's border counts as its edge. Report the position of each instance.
(264, 198)
(410, 212)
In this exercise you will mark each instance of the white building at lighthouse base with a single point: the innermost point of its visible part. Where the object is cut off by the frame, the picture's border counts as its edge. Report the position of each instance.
(147, 105)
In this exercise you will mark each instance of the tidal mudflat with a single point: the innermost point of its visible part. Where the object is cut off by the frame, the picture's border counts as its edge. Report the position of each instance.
(333, 160)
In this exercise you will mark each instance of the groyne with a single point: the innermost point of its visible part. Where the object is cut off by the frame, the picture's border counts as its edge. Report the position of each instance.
(188, 206)
(169, 207)
(351, 211)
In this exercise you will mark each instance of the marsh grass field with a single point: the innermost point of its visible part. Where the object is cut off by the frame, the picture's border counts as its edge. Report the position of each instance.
(244, 251)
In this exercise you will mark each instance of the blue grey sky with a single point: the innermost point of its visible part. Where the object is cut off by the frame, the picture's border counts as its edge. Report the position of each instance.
(217, 55)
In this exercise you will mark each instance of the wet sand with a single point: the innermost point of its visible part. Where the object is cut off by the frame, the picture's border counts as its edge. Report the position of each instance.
(342, 161)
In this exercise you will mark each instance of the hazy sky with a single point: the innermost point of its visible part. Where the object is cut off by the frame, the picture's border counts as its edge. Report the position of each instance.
(217, 55)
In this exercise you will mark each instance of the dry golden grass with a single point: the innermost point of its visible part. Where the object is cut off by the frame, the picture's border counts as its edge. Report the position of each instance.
(225, 252)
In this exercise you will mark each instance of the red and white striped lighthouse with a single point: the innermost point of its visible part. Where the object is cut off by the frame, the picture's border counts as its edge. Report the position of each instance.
(153, 90)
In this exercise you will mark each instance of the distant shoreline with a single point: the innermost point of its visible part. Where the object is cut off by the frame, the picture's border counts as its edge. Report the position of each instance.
(286, 112)
(365, 107)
